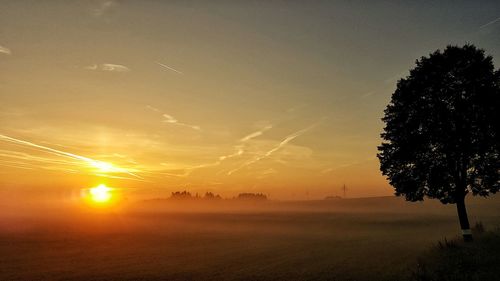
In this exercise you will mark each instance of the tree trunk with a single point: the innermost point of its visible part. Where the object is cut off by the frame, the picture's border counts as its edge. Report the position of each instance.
(464, 220)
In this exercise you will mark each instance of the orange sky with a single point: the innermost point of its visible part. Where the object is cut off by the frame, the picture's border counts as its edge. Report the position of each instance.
(151, 97)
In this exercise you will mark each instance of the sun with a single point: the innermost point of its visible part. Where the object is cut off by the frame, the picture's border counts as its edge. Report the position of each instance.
(100, 193)
(103, 166)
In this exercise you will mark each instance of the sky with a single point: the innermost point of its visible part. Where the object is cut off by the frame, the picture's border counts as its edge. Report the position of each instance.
(151, 97)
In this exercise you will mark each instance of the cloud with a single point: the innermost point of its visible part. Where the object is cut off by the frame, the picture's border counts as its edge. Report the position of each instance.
(277, 147)
(265, 173)
(256, 134)
(331, 169)
(171, 120)
(16, 164)
(32, 158)
(152, 108)
(288, 139)
(104, 7)
(108, 67)
(238, 151)
(186, 171)
(169, 68)
(489, 23)
(167, 118)
(240, 148)
(99, 166)
(368, 94)
(114, 67)
(5, 50)
(396, 77)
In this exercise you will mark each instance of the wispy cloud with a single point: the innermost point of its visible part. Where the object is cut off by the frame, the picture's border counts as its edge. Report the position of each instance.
(239, 150)
(5, 50)
(490, 23)
(186, 171)
(108, 67)
(152, 108)
(277, 147)
(17, 164)
(265, 173)
(99, 166)
(34, 159)
(368, 94)
(331, 169)
(167, 118)
(171, 120)
(169, 68)
(256, 134)
(396, 77)
(104, 7)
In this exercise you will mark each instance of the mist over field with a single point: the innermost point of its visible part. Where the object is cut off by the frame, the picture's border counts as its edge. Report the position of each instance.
(343, 239)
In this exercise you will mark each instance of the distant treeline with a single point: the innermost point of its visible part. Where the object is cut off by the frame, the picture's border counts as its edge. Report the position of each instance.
(186, 195)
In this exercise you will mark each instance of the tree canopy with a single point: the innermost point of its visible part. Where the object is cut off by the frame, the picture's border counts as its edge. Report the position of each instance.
(442, 128)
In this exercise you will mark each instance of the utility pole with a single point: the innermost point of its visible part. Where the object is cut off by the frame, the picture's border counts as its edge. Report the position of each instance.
(344, 189)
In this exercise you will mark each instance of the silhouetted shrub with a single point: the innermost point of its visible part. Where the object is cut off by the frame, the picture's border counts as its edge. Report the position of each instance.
(212, 196)
(454, 260)
(478, 228)
(252, 196)
(181, 195)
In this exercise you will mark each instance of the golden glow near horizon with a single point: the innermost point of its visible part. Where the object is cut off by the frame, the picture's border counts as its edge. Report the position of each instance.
(103, 166)
(100, 193)
(204, 96)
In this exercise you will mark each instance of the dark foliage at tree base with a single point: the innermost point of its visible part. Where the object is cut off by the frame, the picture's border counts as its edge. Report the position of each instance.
(453, 260)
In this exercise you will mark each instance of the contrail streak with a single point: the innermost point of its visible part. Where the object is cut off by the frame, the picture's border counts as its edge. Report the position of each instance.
(328, 170)
(55, 151)
(5, 50)
(256, 134)
(167, 118)
(123, 178)
(489, 23)
(284, 142)
(170, 119)
(91, 162)
(108, 67)
(169, 68)
(17, 167)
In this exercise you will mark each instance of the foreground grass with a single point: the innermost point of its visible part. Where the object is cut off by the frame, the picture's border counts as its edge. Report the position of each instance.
(459, 261)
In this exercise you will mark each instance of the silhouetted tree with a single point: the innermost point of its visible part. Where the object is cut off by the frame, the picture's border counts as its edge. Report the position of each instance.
(181, 195)
(211, 196)
(252, 196)
(442, 133)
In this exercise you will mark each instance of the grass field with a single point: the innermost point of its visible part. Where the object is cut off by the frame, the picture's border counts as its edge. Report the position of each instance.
(350, 239)
(455, 260)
